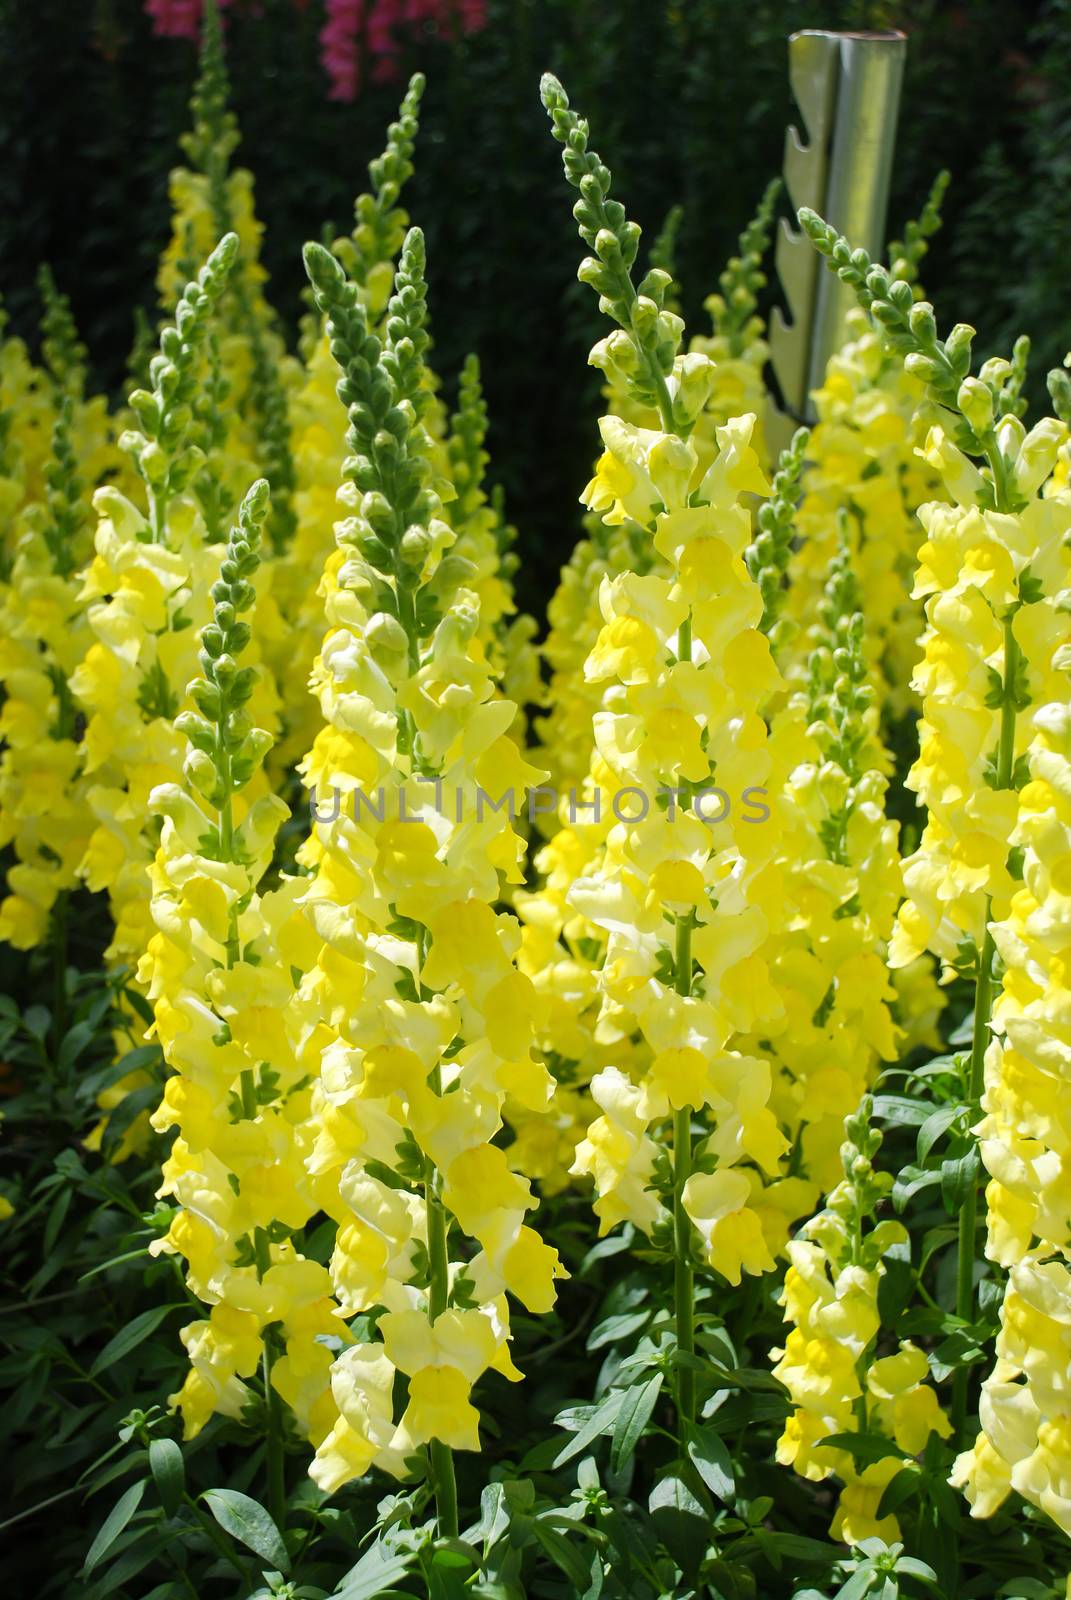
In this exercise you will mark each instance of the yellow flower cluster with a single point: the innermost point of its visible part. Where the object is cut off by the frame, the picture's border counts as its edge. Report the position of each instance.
(427, 1024)
(735, 353)
(975, 573)
(1023, 1443)
(841, 886)
(865, 483)
(146, 594)
(686, 672)
(219, 971)
(838, 1383)
(42, 804)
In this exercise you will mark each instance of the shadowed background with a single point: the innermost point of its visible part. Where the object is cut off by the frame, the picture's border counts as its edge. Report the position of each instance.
(688, 103)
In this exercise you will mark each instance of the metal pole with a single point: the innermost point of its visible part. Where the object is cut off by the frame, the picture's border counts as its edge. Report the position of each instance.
(847, 86)
(860, 170)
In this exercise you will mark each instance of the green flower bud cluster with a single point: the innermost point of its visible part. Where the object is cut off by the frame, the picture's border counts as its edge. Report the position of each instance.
(1059, 386)
(839, 691)
(909, 329)
(165, 459)
(663, 253)
(465, 448)
(209, 147)
(64, 353)
(653, 330)
(67, 510)
(212, 140)
(226, 749)
(273, 433)
(768, 555)
(840, 1227)
(733, 310)
(383, 390)
(905, 255)
(380, 222)
(209, 434)
(142, 350)
(468, 465)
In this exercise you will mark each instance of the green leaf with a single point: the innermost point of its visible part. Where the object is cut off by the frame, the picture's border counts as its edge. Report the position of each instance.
(861, 1583)
(899, 1490)
(613, 1329)
(37, 1020)
(957, 1178)
(55, 1221)
(562, 1553)
(116, 1520)
(683, 1523)
(709, 1455)
(73, 1043)
(247, 1521)
(598, 1422)
(863, 1447)
(128, 1338)
(916, 1569)
(169, 1473)
(637, 1405)
(934, 1126)
(374, 1575)
(901, 1111)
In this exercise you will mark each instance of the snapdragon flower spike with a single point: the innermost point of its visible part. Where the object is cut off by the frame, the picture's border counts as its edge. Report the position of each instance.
(43, 812)
(990, 569)
(663, 252)
(221, 973)
(368, 256)
(379, 221)
(829, 1365)
(908, 327)
(906, 254)
(687, 675)
(840, 888)
(147, 593)
(220, 732)
(484, 538)
(1022, 1444)
(64, 353)
(723, 385)
(255, 423)
(769, 552)
(653, 334)
(164, 461)
(427, 1022)
(734, 310)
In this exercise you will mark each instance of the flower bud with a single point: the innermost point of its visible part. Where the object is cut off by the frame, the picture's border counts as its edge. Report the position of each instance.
(975, 400)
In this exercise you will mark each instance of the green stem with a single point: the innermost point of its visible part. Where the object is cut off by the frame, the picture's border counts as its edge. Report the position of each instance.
(683, 1277)
(983, 1000)
(440, 1455)
(249, 1094)
(273, 1443)
(442, 1460)
(983, 1006)
(59, 967)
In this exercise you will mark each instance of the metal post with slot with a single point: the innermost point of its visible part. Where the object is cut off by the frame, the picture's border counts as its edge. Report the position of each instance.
(847, 87)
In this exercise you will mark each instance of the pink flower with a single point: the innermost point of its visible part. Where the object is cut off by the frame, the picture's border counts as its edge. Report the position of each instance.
(339, 39)
(177, 19)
